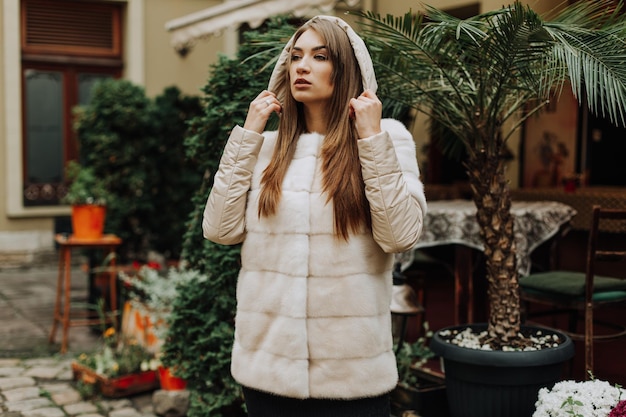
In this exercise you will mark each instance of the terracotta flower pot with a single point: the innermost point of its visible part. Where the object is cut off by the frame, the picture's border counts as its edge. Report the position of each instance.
(88, 221)
(170, 382)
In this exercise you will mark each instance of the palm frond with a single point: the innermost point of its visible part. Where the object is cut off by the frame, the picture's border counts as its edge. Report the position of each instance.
(409, 59)
(594, 62)
(268, 43)
(472, 75)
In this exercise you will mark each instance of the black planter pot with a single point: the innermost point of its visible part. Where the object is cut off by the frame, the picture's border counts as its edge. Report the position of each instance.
(483, 383)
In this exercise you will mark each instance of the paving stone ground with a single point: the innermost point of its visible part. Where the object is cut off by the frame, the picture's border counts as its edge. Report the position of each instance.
(35, 379)
(43, 387)
(26, 308)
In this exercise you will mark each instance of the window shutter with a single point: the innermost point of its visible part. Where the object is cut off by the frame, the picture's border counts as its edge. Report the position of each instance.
(71, 28)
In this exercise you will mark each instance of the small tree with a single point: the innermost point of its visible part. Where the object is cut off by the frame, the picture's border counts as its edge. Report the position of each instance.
(481, 78)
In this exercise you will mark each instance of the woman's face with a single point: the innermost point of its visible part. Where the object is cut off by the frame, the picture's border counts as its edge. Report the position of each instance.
(310, 70)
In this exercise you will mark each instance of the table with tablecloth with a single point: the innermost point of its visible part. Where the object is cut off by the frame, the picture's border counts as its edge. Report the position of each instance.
(453, 222)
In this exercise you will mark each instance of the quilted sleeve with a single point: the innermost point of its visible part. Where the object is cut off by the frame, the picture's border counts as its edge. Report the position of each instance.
(393, 187)
(224, 214)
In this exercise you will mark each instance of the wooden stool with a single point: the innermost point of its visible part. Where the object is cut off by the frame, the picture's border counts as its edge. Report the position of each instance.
(63, 315)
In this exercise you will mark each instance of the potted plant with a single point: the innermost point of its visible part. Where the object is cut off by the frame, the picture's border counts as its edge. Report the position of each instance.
(150, 292)
(88, 195)
(419, 390)
(481, 78)
(119, 367)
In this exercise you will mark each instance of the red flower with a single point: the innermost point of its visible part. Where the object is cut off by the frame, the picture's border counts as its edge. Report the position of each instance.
(619, 410)
(154, 265)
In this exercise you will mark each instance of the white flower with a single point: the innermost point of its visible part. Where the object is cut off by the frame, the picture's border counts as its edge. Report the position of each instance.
(593, 398)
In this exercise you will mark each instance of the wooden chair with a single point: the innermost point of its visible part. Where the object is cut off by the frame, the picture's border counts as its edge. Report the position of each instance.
(576, 292)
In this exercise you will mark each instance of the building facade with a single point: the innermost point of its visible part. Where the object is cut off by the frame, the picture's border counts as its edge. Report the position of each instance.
(54, 50)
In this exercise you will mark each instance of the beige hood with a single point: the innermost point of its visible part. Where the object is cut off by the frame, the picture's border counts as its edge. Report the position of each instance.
(360, 51)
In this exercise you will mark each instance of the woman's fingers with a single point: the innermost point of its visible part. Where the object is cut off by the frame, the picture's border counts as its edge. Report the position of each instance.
(260, 110)
(266, 101)
(367, 112)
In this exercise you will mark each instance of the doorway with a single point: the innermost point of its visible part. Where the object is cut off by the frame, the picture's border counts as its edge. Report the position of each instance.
(604, 152)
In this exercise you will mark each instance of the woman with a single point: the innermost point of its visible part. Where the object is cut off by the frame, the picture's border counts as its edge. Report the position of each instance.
(320, 206)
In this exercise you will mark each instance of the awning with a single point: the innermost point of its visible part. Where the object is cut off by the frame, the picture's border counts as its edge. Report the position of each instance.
(188, 29)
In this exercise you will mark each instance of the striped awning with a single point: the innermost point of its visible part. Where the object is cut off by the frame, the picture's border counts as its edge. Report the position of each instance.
(186, 30)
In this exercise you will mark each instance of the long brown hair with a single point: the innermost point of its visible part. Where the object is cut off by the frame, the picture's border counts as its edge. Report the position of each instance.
(342, 180)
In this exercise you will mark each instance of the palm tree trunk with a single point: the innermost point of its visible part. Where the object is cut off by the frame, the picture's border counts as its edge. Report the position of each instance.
(493, 202)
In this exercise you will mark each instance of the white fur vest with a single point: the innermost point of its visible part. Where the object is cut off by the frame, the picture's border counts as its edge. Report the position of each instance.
(313, 316)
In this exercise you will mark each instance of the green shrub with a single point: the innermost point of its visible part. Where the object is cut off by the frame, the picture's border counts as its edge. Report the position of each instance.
(198, 345)
(413, 355)
(232, 85)
(177, 177)
(136, 146)
(85, 187)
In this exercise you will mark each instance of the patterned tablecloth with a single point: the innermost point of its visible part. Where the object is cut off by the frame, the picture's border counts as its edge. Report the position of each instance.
(454, 222)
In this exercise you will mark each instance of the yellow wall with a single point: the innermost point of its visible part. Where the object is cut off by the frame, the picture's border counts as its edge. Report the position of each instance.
(163, 66)
(2, 124)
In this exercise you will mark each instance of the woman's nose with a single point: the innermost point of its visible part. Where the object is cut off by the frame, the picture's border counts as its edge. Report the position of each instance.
(303, 65)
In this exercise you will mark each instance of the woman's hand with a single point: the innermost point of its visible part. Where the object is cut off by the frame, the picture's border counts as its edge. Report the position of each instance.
(367, 111)
(260, 110)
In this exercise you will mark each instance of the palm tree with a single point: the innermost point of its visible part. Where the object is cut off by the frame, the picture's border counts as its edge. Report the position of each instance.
(481, 78)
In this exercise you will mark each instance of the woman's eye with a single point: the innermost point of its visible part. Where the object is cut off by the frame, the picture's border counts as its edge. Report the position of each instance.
(295, 57)
(321, 57)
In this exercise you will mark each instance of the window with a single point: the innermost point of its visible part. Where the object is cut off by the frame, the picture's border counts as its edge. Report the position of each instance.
(66, 47)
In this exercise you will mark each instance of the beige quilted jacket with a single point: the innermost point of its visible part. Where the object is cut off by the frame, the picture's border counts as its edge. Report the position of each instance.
(313, 314)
